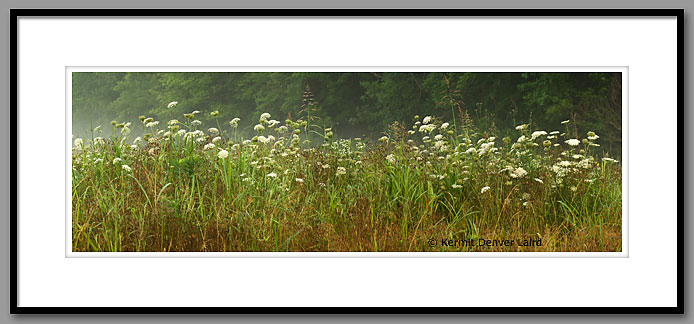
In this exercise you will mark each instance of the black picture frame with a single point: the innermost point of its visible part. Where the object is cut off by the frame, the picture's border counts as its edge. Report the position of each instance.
(15, 14)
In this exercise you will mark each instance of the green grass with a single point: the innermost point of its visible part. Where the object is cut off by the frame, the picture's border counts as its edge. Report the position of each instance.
(172, 191)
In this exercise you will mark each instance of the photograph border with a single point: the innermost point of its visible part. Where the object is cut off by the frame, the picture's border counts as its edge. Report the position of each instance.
(15, 14)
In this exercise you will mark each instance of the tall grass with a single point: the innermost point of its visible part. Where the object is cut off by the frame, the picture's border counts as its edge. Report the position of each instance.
(180, 188)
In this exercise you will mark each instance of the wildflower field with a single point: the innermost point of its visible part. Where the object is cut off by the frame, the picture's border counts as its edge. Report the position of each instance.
(424, 186)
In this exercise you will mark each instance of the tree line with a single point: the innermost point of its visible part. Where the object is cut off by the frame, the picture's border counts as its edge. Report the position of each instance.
(358, 103)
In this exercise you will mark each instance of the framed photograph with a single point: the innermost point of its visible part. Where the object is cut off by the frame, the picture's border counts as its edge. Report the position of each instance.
(347, 161)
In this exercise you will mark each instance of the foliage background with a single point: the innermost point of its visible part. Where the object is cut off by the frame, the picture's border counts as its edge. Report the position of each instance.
(358, 104)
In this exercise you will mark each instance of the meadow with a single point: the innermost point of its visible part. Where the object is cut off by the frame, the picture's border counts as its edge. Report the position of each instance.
(295, 186)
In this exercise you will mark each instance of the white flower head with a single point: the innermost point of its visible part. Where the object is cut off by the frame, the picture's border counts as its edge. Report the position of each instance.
(299, 180)
(341, 171)
(572, 142)
(126, 167)
(427, 128)
(521, 127)
(484, 189)
(208, 146)
(565, 122)
(213, 130)
(426, 120)
(259, 128)
(444, 125)
(518, 173)
(390, 158)
(537, 134)
(172, 104)
(272, 175)
(234, 122)
(78, 143)
(223, 154)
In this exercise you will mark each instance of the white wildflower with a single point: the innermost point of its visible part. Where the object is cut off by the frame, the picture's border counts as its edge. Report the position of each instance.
(539, 180)
(259, 128)
(444, 125)
(390, 158)
(213, 130)
(272, 175)
(426, 120)
(518, 173)
(572, 142)
(223, 154)
(172, 104)
(126, 167)
(341, 171)
(537, 134)
(565, 122)
(234, 122)
(299, 180)
(484, 189)
(521, 127)
(208, 146)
